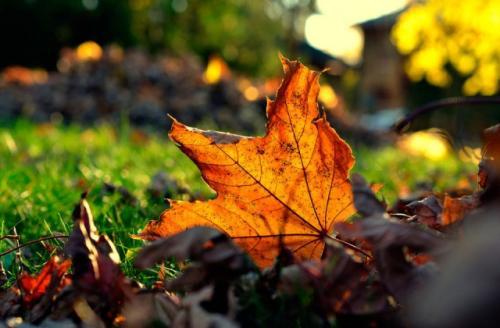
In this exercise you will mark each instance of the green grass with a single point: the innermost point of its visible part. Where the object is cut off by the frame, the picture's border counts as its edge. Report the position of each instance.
(45, 168)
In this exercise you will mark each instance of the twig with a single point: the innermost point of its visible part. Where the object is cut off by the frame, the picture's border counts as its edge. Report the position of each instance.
(31, 242)
(3, 275)
(446, 102)
(12, 237)
(19, 258)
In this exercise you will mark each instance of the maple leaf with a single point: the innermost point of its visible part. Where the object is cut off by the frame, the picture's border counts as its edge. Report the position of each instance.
(285, 188)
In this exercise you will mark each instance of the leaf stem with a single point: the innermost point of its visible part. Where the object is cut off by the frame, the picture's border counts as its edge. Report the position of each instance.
(350, 246)
(11, 237)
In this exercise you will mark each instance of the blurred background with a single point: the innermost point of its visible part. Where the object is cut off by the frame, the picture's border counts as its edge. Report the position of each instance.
(215, 60)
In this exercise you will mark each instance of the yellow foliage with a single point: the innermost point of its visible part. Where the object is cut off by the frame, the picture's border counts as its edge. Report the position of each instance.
(462, 33)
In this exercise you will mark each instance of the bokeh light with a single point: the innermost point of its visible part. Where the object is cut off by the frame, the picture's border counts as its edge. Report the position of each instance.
(89, 51)
(428, 144)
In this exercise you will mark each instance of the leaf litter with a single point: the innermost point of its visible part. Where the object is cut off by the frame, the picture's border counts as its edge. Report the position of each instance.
(431, 266)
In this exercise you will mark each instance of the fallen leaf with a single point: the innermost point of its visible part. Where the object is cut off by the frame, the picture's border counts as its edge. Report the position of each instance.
(427, 211)
(491, 143)
(52, 273)
(181, 246)
(455, 209)
(10, 302)
(489, 167)
(85, 313)
(214, 260)
(390, 242)
(97, 276)
(286, 188)
(365, 201)
(149, 308)
(192, 314)
(341, 283)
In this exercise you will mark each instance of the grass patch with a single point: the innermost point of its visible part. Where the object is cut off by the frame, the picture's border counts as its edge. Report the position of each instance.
(45, 168)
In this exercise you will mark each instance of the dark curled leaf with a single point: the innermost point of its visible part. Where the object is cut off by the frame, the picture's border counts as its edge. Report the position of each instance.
(194, 315)
(214, 257)
(391, 242)
(491, 143)
(149, 309)
(215, 261)
(96, 270)
(342, 284)
(489, 167)
(95, 258)
(427, 211)
(187, 244)
(365, 201)
(10, 302)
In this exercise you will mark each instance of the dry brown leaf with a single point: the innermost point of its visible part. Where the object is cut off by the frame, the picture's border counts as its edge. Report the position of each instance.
(192, 314)
(97, 276)
(455, 209)
(489, 167)
(427, 211)
(365, 201)
(491, 141)
(342, 284)
(287, 187)
(147, 308)
(390, 241)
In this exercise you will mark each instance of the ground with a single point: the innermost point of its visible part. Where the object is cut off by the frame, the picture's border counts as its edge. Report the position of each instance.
(45, 168)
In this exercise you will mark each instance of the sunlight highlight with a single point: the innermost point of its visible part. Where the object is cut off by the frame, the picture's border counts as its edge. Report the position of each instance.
(327, 96)
(428, 144)
(345, 42)
(333, 30)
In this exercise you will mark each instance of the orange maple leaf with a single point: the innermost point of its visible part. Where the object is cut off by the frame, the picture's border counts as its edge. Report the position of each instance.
(285, 188)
